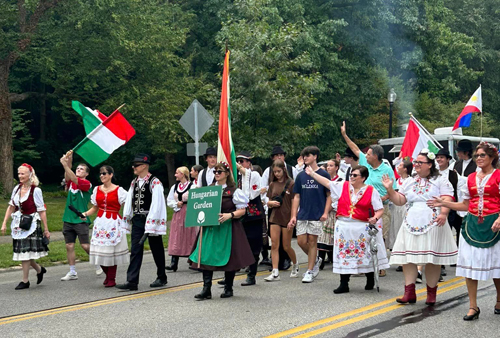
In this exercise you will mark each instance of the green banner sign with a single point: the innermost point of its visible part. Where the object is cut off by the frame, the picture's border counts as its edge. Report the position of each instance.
(203, 206)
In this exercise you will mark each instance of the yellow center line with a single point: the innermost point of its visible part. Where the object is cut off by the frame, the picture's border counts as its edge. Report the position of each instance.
(349, 313)
(370, 315)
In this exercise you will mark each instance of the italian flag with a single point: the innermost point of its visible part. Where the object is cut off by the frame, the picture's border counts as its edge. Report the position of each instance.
(416, 139)
(105, 136)
(89, 116)
(225, 150)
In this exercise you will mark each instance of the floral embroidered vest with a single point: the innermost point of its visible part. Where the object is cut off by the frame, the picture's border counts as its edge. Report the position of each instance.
(491, 196)
(361, 210)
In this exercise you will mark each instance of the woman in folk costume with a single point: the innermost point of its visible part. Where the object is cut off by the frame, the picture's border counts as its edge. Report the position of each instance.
(224, 247)
(479, 249)
(181, 239)
(326, 239)
(195, 173)
(108, 246)
(358, 206)
(27, 210)
(425, 237)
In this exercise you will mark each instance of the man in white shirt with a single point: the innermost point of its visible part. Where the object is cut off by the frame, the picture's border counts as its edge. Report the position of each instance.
(465, 166)
(206, 176)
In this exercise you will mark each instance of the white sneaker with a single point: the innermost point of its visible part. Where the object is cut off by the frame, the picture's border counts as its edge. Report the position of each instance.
(98, 271)
(295, 271)
(70, 276)
(272, 278)
(308, 277)
(315, 270)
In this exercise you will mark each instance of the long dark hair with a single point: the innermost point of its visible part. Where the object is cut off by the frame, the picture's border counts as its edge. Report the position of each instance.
(109, 169)
(278, 164)
(230, 180)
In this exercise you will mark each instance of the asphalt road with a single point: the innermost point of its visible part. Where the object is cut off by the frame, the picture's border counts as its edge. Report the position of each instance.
(287, 308)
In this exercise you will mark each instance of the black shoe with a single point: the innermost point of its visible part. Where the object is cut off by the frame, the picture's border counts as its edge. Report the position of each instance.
(127, 286)
(441, 279)
(322, 265)
(266, 261)
(206, 293)
(23, 285)
(39, 276)
(443, 271)
(249, 281)
(370, 281)
(227, 293)
(341, 289)
(171, 267)
(158, 283)
(474, 316)
(399, 268)
(247, 270)
(497, 311)
(419, 278)
(287, 263)
(222, 282)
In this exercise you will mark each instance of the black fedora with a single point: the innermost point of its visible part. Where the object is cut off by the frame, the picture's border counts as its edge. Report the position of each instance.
(349, 153)
(142, 158)
(464, 145)
(245, 155)
(444, 152)
(210, 151)
(277, 149)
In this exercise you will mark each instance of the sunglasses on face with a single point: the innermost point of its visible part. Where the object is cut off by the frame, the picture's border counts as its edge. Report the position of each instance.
(419, 162)
(354, 175)
(240, 161)
(482, 155)
(103, 173)
(218, 172)
(135, 165)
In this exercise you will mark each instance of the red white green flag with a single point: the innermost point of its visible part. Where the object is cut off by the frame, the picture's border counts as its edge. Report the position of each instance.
(416, 139)
(225, 151)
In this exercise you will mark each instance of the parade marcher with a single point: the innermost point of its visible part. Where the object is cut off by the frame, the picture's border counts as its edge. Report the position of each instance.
(195, 173)
(181, 239)
(206, 176)
(265, 236)
(79, 191)
(404, 170)
(225, 246)
(249, 183)
(326, 239)
(350, 160)
(27, 210)
(465, 165)
(146, 212)
(108, 246)
(358, 203)
(424, 237)
(314, 202)
(479, 250)
(373, 160)
(280, 196)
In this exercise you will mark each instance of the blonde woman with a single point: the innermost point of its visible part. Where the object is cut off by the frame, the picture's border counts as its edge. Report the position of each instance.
(27, 209)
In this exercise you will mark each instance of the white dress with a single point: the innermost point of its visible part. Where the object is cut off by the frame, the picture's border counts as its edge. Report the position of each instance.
(420, 240)
(397, 215)
(351, 250)
(473, 262)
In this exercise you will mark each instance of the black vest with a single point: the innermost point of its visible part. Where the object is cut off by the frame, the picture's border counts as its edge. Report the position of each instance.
(204, 182)
(142, 197)
(180, 193)
(469, 170)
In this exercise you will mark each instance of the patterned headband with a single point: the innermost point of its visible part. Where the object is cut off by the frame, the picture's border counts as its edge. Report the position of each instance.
(225, 164)
(489, 145)
(27, 166)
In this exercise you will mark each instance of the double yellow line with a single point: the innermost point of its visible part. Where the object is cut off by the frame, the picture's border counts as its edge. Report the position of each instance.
(305, 329)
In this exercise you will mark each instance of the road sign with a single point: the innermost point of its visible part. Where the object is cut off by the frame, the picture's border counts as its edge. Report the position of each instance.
(191, 151)
(196, 121)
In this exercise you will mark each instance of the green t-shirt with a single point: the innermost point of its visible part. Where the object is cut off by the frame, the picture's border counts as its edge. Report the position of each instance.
(79, 197)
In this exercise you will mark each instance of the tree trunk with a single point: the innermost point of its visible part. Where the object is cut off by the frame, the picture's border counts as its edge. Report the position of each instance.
(6, 155)
(170, 162)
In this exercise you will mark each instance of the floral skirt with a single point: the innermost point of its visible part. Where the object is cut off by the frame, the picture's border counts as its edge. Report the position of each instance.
(351, 251)
(326, 239)
(30, 247)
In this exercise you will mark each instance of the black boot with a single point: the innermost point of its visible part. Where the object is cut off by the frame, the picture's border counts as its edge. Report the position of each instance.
(228, 287)
(370, 280)
(251, 275)
(206, 292)
(344, 284)
(174, 263)
(322, 255)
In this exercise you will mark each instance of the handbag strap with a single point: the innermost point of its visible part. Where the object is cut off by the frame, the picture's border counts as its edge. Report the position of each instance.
(287, 183)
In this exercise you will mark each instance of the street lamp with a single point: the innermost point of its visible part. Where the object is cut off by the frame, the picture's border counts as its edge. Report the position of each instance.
(391, 97)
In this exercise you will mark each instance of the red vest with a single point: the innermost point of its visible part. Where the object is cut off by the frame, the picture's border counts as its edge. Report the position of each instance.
(491, 198)
(360, 211)
(28, 207)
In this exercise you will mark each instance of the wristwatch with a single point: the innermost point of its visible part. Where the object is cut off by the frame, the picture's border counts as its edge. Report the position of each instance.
(232, 215)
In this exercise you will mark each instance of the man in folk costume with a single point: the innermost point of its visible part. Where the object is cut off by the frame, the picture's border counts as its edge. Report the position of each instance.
(206, 176)
(249, 183)
(350, 161)
(146, 212)
(465, 165)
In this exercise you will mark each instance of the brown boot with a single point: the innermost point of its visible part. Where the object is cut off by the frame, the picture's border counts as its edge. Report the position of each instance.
(410, 296)
(431, 295)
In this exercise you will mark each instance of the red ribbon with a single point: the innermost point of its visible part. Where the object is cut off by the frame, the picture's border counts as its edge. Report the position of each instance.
(27, 166)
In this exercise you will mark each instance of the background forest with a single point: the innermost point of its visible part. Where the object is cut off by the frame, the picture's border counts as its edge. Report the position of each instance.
(298, 68)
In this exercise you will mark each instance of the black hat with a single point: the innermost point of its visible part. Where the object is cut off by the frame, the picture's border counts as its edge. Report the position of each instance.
(142, 158)
(444, 152)
(244, 154)
(210, 151)
(349, 153)
(464, 145)
(277, 150)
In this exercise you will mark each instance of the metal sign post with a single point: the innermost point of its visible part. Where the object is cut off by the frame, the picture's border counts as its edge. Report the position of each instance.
(196, 121)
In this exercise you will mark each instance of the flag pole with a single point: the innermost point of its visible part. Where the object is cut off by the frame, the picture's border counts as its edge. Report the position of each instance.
(120, 107)
(481, 132)
(425, 130)
(199, 247)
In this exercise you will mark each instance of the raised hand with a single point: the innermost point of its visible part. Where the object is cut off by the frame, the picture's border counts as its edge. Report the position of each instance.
(309, 171)
(300, 161)
(387, 182)
(342, 128)
(338, 157)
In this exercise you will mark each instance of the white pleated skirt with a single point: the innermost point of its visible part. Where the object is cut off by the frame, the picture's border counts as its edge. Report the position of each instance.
(109, 255)
(478, 263)
(437, 246)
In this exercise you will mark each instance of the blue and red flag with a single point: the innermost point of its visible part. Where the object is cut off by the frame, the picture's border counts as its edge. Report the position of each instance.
(475, 105)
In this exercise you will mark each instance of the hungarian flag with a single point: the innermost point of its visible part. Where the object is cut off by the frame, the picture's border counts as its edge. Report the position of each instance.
(475, 105)
(107, 136)
(416, 139)
(91, 118)
(225, 151)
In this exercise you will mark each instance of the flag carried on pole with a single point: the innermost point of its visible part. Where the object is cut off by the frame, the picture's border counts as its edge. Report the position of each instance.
(91, 118)
(225, 151)
(416, 139)
(475, 105)
(107, 136)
